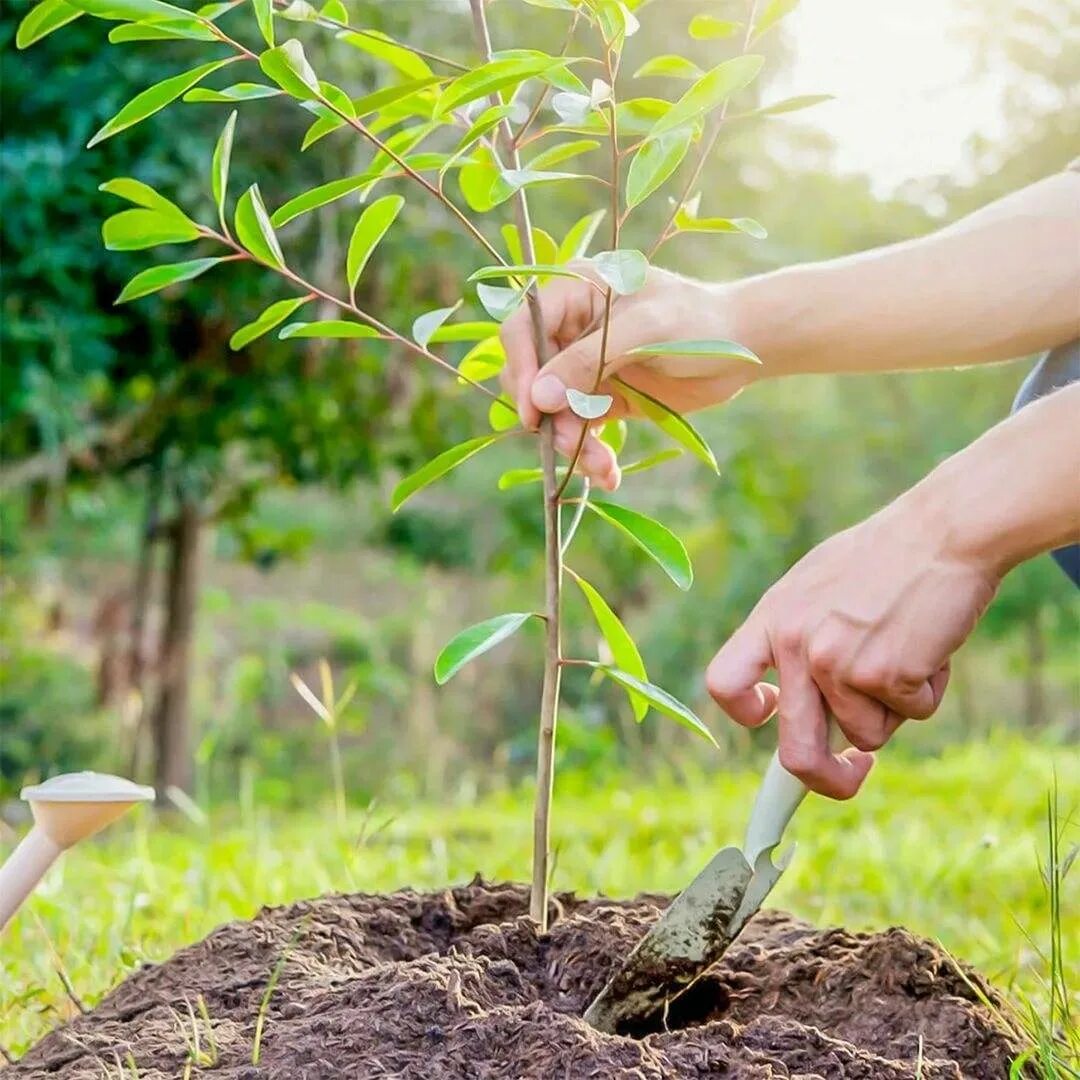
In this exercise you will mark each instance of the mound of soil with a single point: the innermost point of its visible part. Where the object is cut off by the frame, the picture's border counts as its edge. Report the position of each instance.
(457, 984)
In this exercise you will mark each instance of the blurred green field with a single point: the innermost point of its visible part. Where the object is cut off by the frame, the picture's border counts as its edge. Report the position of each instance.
(948, 846)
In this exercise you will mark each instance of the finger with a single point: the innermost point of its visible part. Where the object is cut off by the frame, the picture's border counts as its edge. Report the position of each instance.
(734, 677)
(909, 696)
(577, 366)
(867, 723)
(566, 307)
(521, 364)
(597, 460)
(804, 736)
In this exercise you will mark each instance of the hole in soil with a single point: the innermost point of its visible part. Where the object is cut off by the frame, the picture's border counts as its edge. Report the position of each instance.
(700, 1003)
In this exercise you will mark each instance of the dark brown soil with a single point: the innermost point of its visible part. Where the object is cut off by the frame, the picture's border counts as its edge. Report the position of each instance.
(428, 986)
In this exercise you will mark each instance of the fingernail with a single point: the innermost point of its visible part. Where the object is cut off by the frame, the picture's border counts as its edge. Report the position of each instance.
(548, 393)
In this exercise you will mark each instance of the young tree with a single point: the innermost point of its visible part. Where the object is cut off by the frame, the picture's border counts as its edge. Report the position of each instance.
(482, 119)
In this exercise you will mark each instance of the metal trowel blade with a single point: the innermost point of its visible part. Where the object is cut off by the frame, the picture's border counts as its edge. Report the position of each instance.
(692, 935)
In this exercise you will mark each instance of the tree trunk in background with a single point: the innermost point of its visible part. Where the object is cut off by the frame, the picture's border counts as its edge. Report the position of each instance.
(37, 504)
(426, 743)
(173, 762)
(961, 686)
(140, 603)
(1034, 682)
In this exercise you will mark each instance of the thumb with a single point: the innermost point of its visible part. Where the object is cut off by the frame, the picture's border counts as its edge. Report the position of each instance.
(577, 365)
(574, 368)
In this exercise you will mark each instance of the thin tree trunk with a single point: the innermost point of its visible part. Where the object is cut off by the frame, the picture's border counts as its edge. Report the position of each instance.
(173, 762)
(141, 592)
(1035, 683)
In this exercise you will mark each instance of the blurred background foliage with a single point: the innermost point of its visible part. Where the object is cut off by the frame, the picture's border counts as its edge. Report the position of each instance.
(121, 424)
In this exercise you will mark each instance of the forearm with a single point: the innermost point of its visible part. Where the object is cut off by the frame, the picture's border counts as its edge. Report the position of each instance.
(1000, 283)
(1011, 494)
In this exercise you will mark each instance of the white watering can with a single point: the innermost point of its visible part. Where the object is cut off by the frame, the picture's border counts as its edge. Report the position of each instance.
(66, 809)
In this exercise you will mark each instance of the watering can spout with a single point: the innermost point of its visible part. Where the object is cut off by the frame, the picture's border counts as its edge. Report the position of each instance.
(66, 809)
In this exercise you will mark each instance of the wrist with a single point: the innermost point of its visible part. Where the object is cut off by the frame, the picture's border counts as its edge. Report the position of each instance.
(770, 314)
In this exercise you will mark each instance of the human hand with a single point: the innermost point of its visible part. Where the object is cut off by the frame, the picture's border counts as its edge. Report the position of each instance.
(668, 307)
(863, 627)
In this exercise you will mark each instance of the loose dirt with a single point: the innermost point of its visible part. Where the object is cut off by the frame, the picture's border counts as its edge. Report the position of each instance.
(457, 984)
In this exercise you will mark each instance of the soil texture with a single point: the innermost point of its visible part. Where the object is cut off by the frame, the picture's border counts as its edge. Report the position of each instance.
(458, 984)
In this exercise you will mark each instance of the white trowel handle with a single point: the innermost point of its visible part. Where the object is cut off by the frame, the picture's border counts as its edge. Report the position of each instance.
(777, 800)
(24, 869)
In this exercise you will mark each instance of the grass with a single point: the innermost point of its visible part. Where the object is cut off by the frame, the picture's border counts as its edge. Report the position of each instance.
(947, 846)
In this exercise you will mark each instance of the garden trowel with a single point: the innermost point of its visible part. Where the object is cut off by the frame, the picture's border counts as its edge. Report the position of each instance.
(705, 918)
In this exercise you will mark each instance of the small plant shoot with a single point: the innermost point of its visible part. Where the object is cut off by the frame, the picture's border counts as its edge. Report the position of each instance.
(470, 140)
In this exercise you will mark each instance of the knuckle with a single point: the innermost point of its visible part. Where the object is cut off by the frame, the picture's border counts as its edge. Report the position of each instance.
(800, 760)
(823, 658)
(865, 738)
(719, 683)
(789, 639)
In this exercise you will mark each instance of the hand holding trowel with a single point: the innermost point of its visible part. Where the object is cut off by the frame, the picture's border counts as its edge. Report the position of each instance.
(708, 915)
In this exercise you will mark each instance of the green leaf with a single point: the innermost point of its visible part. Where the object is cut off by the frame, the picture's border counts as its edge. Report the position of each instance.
(484, 360)
(774, 11)
(328, 328)
(708, 27)
(659, 699)
(320, 196)
(577, 240)
(161, 30)
(438, 467)
(671, 423)
(544, 246)
(264, 16)
(588, 406)
(491, 77)
(335, 10)
(466, 331)
(133, 230)
(42, 19)
(475, 641)
(288, 67)
(273, 316)
(573, 108)
(716, 347)
(155, 98)
(425, 325)
(656, 540)
(671, 66)
(561, 152)
(487, 273)
(131, 10)
(219, 166)
(160, 277)
(391, 95)
(614, 434)
(383, 47)
(253, 228)
(624, 270)
(498, 302)
(511, 180)
(636, 117)
(654, 163)
(623, 650)
(502, 414)
(370, 229)
(686, 222)
(135, 191)
(299, 11)
(489, 119)
(709, 91)
(241, 91)
(477, 181)
(792, 104)
(650, 462)
(513, 478)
